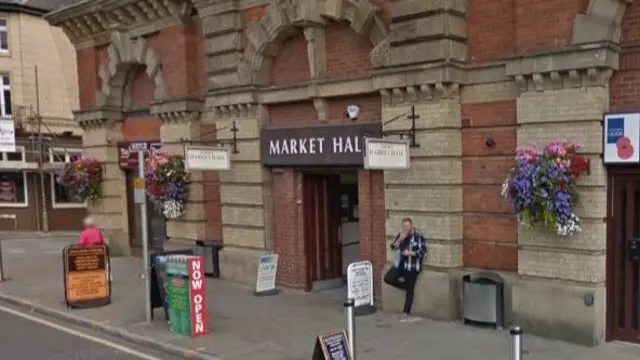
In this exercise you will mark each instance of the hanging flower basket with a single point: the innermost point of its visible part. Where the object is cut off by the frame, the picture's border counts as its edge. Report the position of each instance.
(82, 179)
(541, 187)
(167, 184)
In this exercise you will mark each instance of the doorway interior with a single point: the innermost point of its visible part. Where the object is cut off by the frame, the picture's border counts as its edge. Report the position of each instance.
(623, 255)
(156, 226)
(331, 227)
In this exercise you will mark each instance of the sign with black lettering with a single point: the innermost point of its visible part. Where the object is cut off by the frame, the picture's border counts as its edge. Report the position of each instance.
(86, 276)
(331, 145)
(332, 346)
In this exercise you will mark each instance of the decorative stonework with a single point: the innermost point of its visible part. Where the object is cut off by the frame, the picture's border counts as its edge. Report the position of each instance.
(556, 80)
(235, 111)
(124, 56)
(97, 118)
(426, 92)
(283, 17)
(601, 23)
(92, 19)
(178, 110)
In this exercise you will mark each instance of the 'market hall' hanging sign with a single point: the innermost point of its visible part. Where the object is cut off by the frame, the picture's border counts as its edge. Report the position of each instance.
(621, 138)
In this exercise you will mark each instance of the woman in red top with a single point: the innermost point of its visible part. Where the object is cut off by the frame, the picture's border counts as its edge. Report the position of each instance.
(91, 235)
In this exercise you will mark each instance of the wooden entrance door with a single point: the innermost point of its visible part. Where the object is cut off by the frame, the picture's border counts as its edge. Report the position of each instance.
(321, 213)
(623, 305)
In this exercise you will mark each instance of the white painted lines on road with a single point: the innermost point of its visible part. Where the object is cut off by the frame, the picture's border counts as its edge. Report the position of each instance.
(97, 340)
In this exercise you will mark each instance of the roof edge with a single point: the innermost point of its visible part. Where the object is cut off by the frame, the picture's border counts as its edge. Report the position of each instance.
(13, 7)
(56, 17)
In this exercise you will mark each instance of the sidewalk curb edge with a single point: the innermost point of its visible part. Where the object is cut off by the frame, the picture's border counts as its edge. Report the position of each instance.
(107, 329)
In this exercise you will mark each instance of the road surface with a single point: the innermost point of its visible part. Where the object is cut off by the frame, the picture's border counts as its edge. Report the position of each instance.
(26, 336)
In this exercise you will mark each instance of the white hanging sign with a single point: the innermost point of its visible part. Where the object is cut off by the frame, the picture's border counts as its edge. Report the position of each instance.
(384, 154)
(207, 158)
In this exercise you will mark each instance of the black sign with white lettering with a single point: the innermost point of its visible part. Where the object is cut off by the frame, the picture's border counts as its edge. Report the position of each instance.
(331, 145)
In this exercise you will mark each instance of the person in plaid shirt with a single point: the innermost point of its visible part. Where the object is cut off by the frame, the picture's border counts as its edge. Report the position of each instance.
(411, 248)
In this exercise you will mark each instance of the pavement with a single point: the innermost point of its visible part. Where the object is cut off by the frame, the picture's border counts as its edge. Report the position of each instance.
(245, 327)
(25, 337)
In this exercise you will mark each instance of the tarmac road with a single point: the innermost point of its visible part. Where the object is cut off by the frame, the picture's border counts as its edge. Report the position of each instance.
(25, 336)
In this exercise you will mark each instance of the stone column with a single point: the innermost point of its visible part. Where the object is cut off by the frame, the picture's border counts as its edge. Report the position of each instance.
(557, 271)
(430, 192)
(180, 123)
(244, 192)
(102, 131)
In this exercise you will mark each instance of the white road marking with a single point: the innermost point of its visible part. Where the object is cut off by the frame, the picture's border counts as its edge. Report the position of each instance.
(106, 343)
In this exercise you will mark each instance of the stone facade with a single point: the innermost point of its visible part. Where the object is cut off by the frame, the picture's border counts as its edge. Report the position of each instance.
(477, 73)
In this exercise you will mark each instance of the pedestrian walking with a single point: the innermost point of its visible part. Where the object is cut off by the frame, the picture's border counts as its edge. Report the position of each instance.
(410, 248)
(92, 235)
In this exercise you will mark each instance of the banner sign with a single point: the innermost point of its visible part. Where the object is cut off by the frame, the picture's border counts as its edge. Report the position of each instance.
(7, 136)
(186, 295)
(621, 138)
(86, 276)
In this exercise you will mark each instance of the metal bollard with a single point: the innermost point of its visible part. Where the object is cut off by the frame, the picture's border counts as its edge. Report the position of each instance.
(350, 324)
(515, 343)
(1, 265)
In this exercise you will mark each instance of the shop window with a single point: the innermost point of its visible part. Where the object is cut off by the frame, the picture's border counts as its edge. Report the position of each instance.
(6, 109)
(60, 196)
(13, 189)
(14, 156)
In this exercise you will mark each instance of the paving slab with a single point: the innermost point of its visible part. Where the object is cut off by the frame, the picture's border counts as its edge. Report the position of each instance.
(283, 327)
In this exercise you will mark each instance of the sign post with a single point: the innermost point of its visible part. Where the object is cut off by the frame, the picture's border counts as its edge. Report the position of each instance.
(86, 276)
(139, 195)
(266, 277)
(186, 295)
(360, 287)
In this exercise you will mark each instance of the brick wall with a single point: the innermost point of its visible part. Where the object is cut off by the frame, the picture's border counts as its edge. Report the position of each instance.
(625, 83)
(490, 231)
(347, 53)
(141, 128)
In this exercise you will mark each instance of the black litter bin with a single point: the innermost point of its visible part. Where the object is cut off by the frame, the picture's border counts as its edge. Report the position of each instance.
(210, 252)
(483, 299)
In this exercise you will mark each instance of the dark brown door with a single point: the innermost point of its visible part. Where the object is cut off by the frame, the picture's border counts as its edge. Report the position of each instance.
(156, 225)
(624, 257)
(321, 224)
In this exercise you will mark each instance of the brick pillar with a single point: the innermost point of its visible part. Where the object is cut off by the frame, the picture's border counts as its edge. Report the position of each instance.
(180, 121)
(372, 212)
(102, 131)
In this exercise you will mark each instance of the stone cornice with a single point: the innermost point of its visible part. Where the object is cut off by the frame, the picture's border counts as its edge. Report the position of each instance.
(178, 110)
(575, 66)
(399, 78)
(91, 20)
(97, 117)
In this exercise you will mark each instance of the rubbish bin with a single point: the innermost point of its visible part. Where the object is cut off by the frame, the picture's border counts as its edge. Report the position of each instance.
(210, 253)
(483, 299)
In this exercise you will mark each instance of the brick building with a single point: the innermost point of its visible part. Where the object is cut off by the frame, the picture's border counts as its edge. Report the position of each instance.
(512, 71)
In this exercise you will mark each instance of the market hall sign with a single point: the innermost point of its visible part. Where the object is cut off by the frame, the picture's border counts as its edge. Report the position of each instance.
(332, 145)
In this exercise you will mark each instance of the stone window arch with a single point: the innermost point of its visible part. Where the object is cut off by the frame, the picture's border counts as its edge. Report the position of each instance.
(127, 56)
(284, 18)
(601, 22)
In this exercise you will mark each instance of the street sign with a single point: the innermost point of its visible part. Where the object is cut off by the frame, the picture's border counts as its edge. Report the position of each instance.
(139, 195)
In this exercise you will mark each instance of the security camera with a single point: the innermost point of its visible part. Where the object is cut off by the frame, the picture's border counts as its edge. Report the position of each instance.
(352, 112)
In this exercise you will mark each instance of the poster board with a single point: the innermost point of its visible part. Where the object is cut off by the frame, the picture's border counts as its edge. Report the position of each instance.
(86, 276)
(360, 287)
(158, 275)
(332, 346)
(266, 275)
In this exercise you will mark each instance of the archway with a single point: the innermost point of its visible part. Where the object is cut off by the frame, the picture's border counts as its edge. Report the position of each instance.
(284, 17)
(125, 55)
(601, 22)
